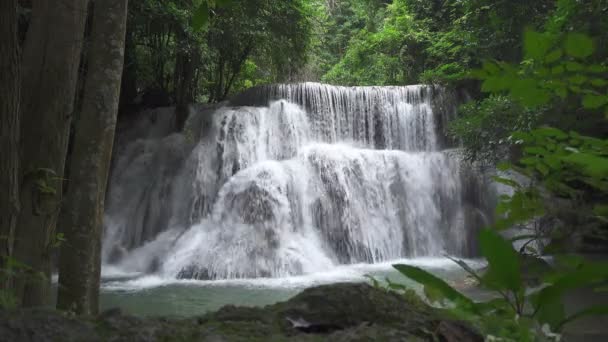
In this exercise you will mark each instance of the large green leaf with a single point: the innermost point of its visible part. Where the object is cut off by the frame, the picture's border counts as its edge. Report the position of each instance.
(434, 285)
(578, 45)
(591, 101)
(503, 261)
(200, 18)
(536, 44)
(551, 312)
(549, 299)
(593, 165)
(529, 92)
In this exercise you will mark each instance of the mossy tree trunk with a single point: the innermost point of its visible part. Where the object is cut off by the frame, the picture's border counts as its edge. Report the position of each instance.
(82, 212)
(51, 56)
(10, 81)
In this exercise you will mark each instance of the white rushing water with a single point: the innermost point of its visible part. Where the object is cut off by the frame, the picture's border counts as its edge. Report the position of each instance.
(295, 180)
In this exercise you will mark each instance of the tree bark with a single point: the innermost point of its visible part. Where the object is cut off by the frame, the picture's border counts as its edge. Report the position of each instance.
(10, 81)
(82, 212)
(51, 57)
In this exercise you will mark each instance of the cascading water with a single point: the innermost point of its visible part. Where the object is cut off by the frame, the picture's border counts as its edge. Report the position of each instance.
(295, 179)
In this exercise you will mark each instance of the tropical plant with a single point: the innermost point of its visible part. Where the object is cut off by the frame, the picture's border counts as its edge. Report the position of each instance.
(518, 311)
(559, 164)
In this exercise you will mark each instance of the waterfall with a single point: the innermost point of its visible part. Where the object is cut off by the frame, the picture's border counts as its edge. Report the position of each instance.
(292, 179)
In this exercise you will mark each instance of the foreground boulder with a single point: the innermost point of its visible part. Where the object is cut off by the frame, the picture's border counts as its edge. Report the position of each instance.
(338, 312)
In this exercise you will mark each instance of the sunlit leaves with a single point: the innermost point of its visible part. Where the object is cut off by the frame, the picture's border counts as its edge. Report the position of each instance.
(593, 165)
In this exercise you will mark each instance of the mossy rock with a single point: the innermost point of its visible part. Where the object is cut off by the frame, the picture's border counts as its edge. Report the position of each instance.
(338, 312)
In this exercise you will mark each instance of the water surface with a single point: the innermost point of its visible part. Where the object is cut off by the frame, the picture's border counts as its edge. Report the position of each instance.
(151, 295)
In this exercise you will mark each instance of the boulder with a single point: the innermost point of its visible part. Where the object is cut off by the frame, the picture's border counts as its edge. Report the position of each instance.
(338, 312)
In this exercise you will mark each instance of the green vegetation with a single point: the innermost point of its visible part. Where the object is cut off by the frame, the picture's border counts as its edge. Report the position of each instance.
(567, 165)
(536, 73)
(176, 50)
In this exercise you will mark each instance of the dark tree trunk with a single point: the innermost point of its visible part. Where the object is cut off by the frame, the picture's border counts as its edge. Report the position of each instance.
(128, 88)
(186, 65)
(82, 212)
(10, 81)
(51, 57)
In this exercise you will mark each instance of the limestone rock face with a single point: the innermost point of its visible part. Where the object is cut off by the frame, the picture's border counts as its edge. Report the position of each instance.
(339, 312)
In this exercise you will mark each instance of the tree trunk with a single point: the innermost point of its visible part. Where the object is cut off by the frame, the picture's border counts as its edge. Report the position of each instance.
(128, 88)
(186, 64)
(10, 72)
(51, 57)
(82, 212)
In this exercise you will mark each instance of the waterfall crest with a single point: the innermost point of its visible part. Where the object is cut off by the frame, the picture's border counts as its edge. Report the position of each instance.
(292, 179)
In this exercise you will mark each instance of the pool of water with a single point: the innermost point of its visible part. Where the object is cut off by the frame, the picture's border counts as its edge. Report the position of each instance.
(150, 295)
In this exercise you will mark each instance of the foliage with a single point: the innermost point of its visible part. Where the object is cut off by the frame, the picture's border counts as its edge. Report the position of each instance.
(565, 163)
(433, 41)
(14, 269)
(208, 49)
(484, 127)
(261, 33)
(555, 66)
(518, 312)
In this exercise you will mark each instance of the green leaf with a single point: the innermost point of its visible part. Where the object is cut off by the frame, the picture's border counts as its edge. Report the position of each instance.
(601, 210)
(503, 261)
(554, 56)
(495, 84)
(578, 45)
(374, 281)
(550, 312)
(536, 151)
(503, 166)
(597, 68)
(593, 165)
(550, 132)
(200, 18)
(549, 299)
(578, 79)
(591, 101)
(490, 68)
(438, 285)
(536, 44)
(542, 168)
(506, 181)
(573, 66)
(558, 70)
(528, 92)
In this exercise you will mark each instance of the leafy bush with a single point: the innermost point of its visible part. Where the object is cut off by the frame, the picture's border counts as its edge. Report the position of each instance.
(562, 164)
(518, 312)
(484, 128)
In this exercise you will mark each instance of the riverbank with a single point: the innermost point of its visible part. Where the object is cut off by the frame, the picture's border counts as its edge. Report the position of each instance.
(338, 312)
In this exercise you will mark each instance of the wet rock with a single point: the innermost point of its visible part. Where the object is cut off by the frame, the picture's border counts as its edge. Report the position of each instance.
(254, 205)
(339, 312)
